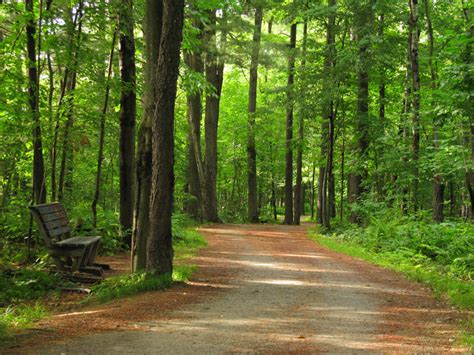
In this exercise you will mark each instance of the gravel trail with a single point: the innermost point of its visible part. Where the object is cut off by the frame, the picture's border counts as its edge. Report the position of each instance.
(276, 291)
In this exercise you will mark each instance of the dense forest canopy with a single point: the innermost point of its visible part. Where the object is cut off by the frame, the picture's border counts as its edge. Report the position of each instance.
(336, 109)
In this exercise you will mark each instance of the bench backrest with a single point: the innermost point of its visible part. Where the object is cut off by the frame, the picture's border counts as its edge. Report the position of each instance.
(52, 221)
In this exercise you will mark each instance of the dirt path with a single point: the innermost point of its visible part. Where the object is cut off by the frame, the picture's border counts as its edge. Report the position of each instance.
(266, 289)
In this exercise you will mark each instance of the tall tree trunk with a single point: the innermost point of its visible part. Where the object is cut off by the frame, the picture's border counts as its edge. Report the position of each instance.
(103, 116)
(127, 118)
(299, 201)
(382, 93)
(39, 184)
(195, 173)
(289, 129)
(65, 173)
(193, 205)
(343, 159)
(141, 228)
(415, 98)
(274, 205)
(468, 83)
(1, 30)
(438, 185)
(313, 190)
(327, 128)
(215, 76)
(364, 19)
(252, 107)
(159, 246)
(51, 120)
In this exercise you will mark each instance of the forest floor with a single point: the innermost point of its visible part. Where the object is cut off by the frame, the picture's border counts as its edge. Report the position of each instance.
(260, 289)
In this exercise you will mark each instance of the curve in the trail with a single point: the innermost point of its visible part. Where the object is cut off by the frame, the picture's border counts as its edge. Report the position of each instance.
(283, 293)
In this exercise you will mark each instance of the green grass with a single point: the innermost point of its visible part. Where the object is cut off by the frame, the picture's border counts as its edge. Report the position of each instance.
(18, 317)
(131, 284)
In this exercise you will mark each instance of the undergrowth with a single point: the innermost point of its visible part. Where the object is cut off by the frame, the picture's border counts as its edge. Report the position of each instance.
(20, 285)
(440, 255)
(131, 284)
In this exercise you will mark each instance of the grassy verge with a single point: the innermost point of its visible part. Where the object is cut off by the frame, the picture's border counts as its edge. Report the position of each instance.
(460, 293)
(18, 317)
(132, 284)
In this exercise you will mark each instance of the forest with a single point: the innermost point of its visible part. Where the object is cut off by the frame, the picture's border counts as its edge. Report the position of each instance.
(147, 118)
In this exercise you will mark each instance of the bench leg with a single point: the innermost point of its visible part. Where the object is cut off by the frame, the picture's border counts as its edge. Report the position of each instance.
(76, 263)
(90, 254)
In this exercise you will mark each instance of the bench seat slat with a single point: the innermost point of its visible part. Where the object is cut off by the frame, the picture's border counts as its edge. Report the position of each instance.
(77, 241)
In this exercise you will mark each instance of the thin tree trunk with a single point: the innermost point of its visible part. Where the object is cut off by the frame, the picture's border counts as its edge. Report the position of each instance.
(252, 107)
(39, 185)
(51, 121)
(159, 246)
(195, 179)
(415, 99)
(343, 160)
(299, 202)
(274, 205)
(195, 173)
(327, 142)
(152, 31)
(289, 129)
(67, 71)
(382, 93)
(65, 173)
(215, 76)
(313, 190)
(468, 83)
(438, 185)
(103, 116)
(127, 118)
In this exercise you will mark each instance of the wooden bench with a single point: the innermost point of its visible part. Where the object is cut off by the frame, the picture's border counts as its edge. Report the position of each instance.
(69, 254)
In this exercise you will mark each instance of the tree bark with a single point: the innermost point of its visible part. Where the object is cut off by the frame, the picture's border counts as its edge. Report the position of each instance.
(152, 31)
(252, 107)
(103, 116)
(65, 173)
(415, 98)
(382, 103)
(313, 190)
(39, 183)
(364, 17)
(214, 75)
(289, 129)
(468, 83)
(195, 172)
(438, 184)
(195, 179)
(159, 246)
(127, 118)
(299, 201)
(327, 142)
